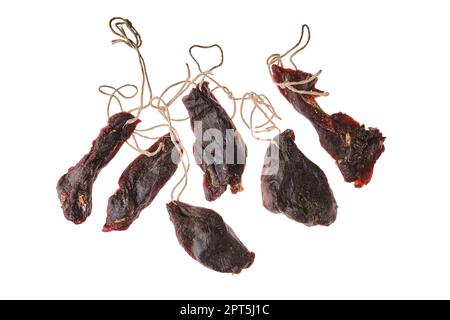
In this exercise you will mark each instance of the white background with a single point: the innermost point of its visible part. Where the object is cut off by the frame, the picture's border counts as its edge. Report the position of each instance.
(384, 62)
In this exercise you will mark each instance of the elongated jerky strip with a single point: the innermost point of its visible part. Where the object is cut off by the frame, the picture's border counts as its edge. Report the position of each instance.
(140, 183)
(219, 149)
(75, 187)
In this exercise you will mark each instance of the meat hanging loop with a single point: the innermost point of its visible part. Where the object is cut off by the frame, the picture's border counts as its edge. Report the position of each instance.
(215, 45)
(304, 27)
(277, 59)
(116, 25)
(119, 26)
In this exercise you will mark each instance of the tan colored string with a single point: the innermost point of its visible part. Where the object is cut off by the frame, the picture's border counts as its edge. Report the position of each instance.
(277, 59)
(259, 102)
(215, 45)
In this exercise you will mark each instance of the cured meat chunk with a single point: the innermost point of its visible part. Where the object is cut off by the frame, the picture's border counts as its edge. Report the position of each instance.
(293, 185)
(208, 239)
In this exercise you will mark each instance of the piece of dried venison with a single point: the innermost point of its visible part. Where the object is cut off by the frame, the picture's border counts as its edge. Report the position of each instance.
(219, 149)
(208, 239)
(292, 184)
(355, 148)
(75, 187)
(140, 183)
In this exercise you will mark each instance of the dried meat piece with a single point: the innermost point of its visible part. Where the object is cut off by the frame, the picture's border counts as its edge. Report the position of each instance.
(225, 164)
(208, 239)
(292, 184)
(355, 148)
(75, 187)
(140, 183)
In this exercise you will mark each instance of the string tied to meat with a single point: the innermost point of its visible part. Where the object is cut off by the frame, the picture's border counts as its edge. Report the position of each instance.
(291, 53)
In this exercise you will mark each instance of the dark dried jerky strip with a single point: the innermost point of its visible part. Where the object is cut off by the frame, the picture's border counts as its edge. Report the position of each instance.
(75, 187)
(231, 150)
(292, 184)
(206, 238)
(140, 183)
(355, 148)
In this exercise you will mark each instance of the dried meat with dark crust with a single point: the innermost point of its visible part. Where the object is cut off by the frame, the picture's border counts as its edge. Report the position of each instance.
(208, 239)
(292, 184)
(75, 187)
(355, 148)
(140, 183)
(204, 108)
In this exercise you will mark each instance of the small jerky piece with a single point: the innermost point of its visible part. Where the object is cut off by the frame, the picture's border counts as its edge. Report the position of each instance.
(298, 187)
(355, 148)
(75, 187)
(225, 162)
(140, 183)
(206, 238)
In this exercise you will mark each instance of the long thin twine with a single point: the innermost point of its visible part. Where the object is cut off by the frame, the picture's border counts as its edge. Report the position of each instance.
(278, 59)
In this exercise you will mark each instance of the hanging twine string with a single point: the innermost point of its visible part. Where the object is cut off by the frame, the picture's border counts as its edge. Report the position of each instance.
(278, 60)
(128, 35)
(122, 28)
(260, 102)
